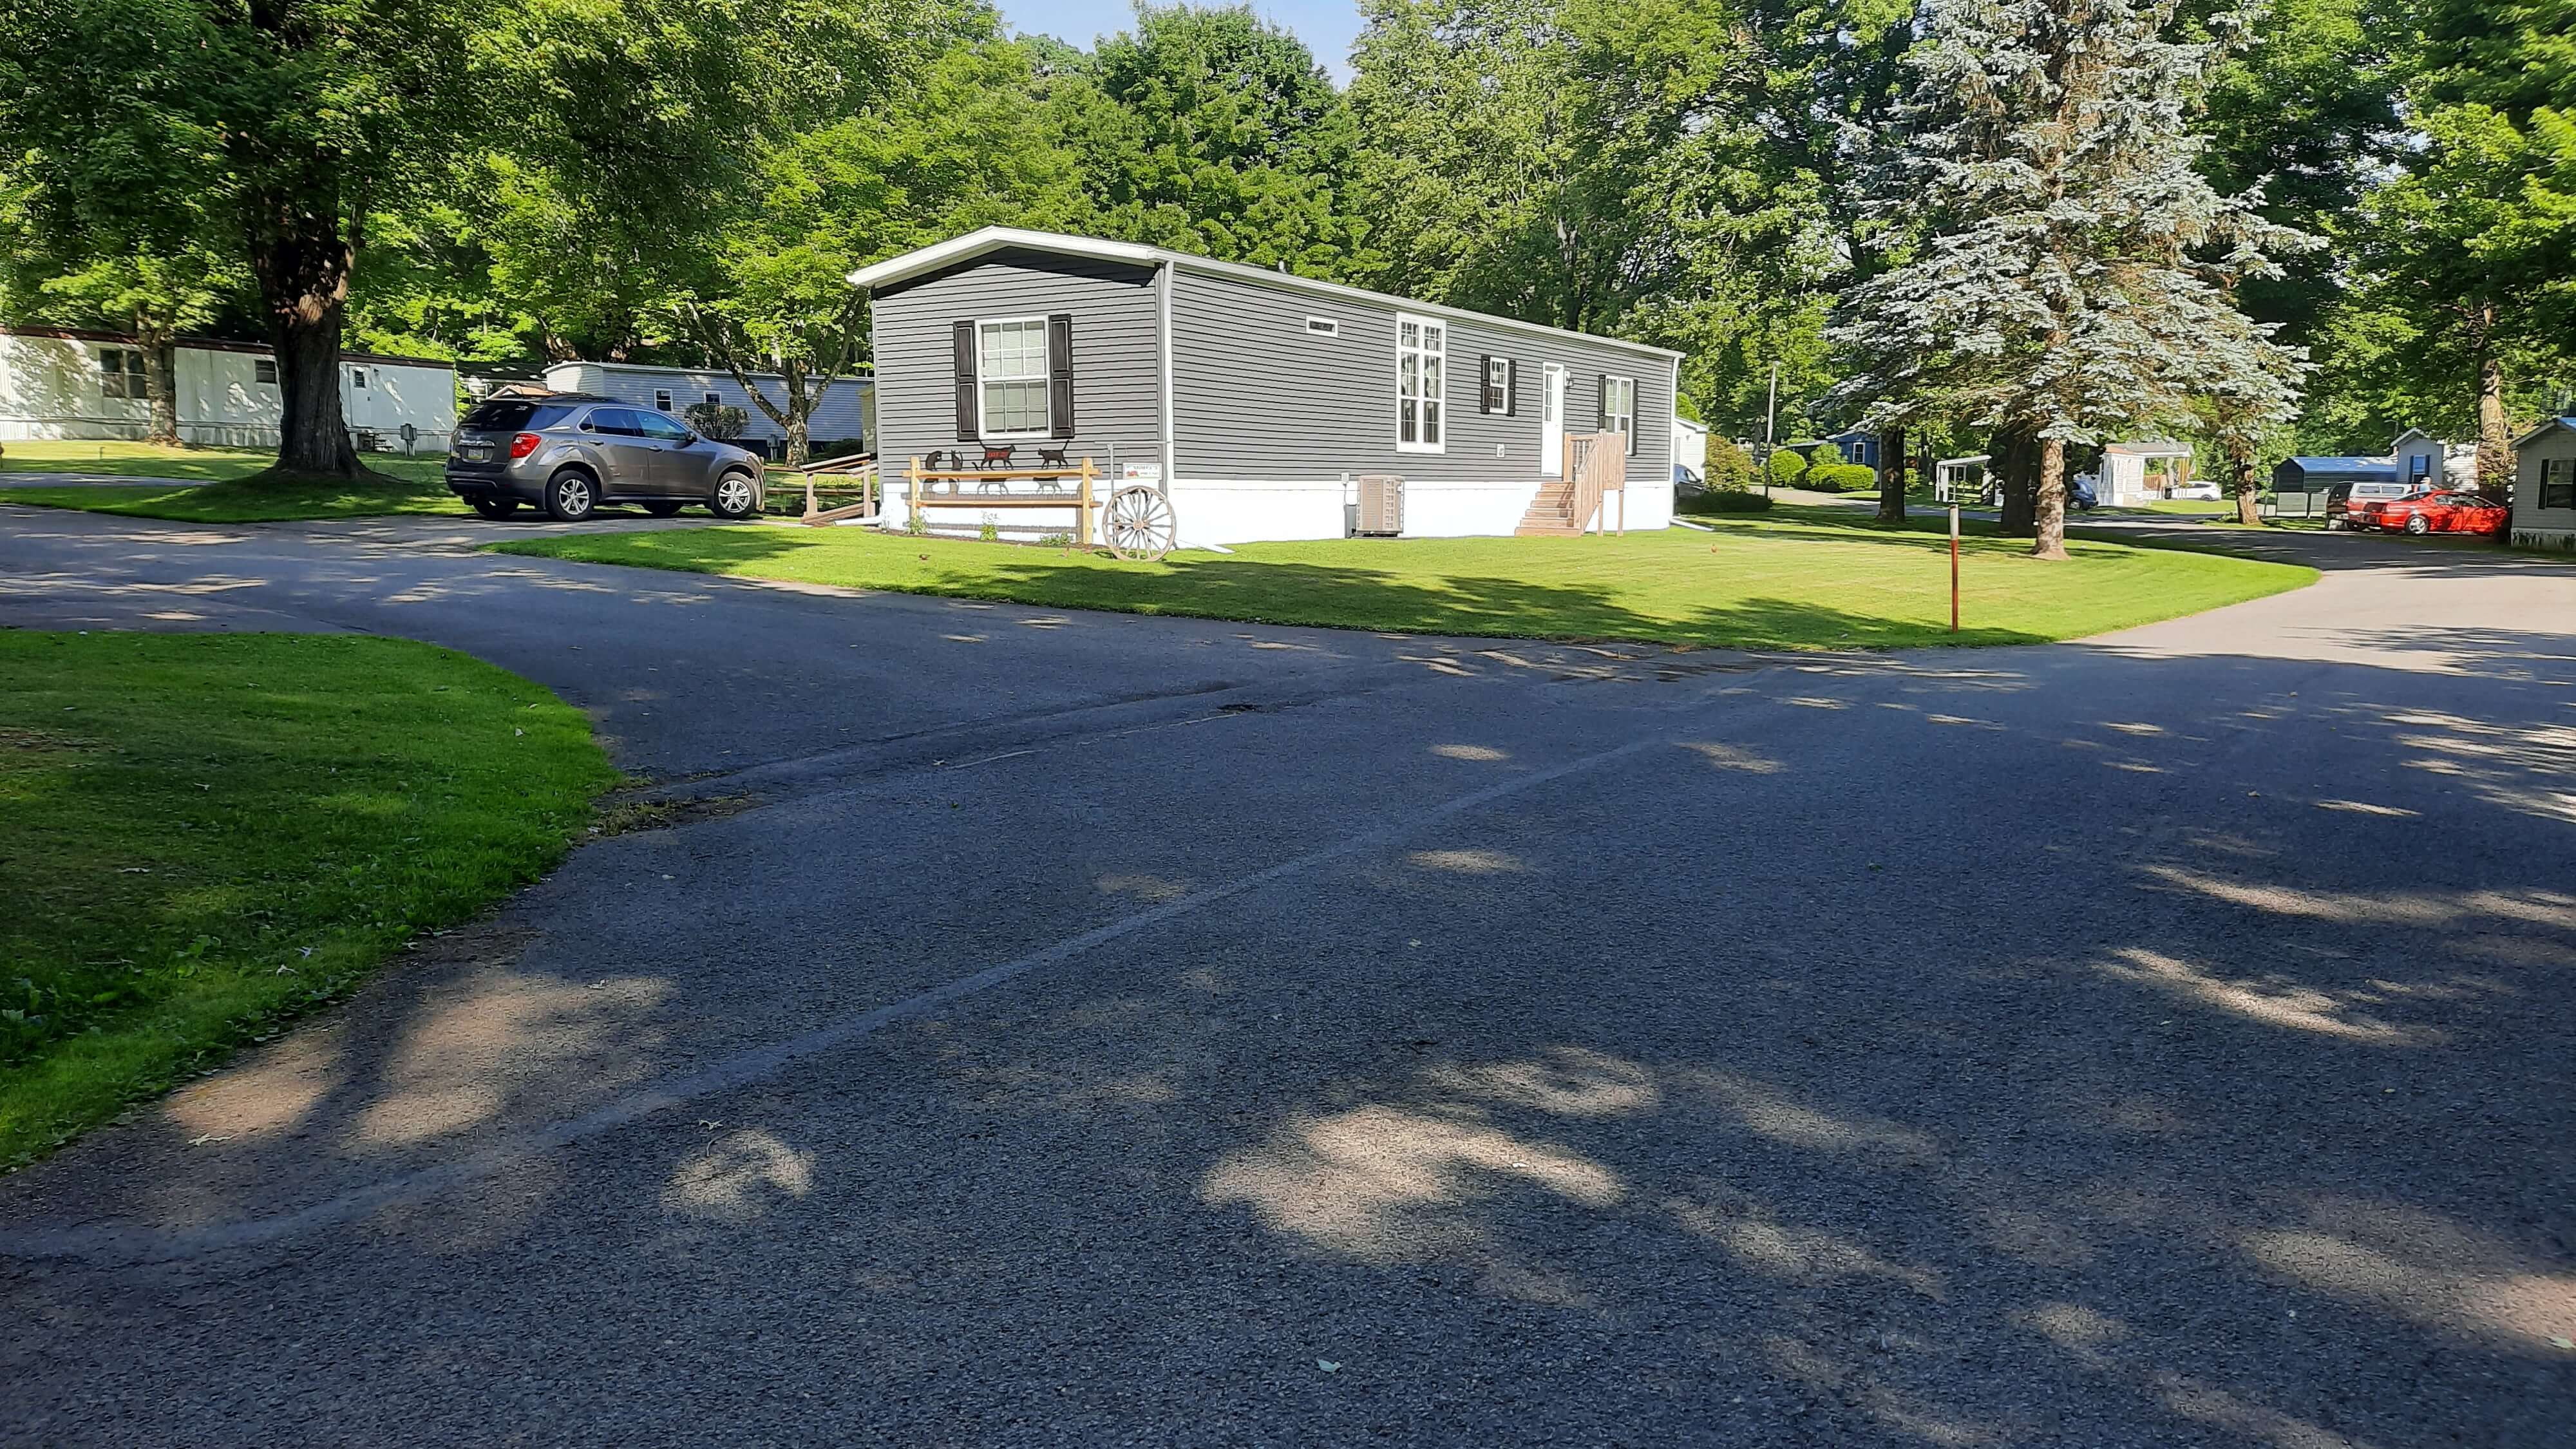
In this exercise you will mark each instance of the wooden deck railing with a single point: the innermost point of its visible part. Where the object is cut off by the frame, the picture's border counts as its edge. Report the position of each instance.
(1598, 465)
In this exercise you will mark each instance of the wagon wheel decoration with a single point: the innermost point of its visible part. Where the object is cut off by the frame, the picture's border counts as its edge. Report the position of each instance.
(1138, 523)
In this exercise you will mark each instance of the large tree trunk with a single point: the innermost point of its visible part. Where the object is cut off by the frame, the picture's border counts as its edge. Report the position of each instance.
(1891, 475)
(302, 264)
(2495, 441)
(2241, 483)
(2014, 465)
(2048, 533)
(160, 382)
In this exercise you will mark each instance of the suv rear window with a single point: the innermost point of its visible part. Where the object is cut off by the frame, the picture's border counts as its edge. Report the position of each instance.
(514, 415)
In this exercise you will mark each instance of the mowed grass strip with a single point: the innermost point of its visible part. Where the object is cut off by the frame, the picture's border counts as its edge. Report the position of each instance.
(1804, 579)
(231, 485)
(203, 835)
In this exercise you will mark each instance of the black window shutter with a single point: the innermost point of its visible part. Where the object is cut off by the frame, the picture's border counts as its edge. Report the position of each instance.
(1485, 384)
(1060, 375)
(962, 346)
(1512, 388)
(1601, 405)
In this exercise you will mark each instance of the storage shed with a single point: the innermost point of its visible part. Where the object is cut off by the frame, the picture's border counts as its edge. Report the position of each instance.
(1257, 400)
(2318, 475)
(2544, 486)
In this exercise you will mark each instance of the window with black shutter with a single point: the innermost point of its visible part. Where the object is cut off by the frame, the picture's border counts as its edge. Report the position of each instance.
(1497, 392)
(962, 357)
(1060, 375)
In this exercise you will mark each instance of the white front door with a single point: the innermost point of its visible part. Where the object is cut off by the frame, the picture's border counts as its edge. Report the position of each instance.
(1551, 424)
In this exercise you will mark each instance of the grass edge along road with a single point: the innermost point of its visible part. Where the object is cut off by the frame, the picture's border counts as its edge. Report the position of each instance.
(203, 835)
(1796, 578)
(216, 485)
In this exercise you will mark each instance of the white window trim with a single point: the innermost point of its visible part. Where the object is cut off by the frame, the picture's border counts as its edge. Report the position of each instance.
(1419, 320)
(1629, 418)
(662, 399)
(1046, 375)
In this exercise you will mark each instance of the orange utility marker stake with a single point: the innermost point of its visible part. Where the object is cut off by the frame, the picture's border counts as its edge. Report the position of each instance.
(1954, 568)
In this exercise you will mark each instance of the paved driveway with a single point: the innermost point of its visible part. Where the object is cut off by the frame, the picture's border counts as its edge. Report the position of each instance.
(1068, 1029)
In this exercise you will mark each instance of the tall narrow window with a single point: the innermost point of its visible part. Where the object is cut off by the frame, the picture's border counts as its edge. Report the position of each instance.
(1619, 409)
(1011, 372)
(1421, 345)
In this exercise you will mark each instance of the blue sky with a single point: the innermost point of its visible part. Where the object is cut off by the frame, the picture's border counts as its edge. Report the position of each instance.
(1326, 26)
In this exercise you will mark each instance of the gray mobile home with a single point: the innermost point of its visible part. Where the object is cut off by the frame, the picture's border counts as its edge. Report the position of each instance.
(2544, 486)
(1254, 398)
(840, 422)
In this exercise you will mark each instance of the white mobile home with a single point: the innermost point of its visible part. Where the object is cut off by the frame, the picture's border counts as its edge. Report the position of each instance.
(843, 420)
(1256, 399)
(2544, 486)
(60, 382)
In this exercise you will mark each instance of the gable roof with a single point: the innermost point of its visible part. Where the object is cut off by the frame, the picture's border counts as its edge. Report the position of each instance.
(2568, 423)
(2403, 437)
(2344, 464)
(957, 251)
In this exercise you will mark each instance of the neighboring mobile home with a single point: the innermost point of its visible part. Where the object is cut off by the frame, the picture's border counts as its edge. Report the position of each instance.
(2544, 486)
(63, 382)
(1255, 399)
(843, 420)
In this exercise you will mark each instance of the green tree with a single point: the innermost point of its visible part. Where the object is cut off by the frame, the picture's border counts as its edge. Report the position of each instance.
(1210, 130)
(292, 119)
(2077, 274)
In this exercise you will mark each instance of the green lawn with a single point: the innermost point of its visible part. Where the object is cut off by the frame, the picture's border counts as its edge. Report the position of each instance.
(235, 486)
(203, 835)
(1796, 578)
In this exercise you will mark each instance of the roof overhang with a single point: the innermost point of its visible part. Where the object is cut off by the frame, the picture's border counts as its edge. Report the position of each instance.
(993, 239)
(2410, 433)
(974, 244)
(2534, 435)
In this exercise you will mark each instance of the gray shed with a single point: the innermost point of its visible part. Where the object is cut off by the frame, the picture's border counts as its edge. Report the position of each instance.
(1256, 399)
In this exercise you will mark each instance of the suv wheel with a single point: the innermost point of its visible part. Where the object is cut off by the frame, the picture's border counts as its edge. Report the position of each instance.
(570, 496)
(495, 507)
(736, 496)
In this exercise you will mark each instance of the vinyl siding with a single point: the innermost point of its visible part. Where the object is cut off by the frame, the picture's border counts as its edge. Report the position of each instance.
(1117, 352)
(2532, 524)
(1259, 397)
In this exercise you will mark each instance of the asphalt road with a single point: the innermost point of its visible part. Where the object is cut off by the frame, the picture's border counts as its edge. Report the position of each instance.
(1060, 1028)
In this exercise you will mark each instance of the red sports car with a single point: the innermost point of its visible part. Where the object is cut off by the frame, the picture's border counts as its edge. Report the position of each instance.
(2428, 512)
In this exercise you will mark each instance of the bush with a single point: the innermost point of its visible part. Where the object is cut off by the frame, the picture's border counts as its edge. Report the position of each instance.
(1726, 500)
(1841, 478)
(1728, 466)
(721, 421)
(1786, 468)
(1824, 455)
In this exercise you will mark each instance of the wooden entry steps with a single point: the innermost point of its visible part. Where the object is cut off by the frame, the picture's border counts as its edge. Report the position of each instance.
(1551, 513)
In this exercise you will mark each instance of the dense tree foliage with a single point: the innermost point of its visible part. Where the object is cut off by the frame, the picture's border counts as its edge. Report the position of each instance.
(692, 180)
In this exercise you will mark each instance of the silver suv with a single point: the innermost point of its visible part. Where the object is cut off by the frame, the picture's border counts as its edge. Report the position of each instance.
(568, 453)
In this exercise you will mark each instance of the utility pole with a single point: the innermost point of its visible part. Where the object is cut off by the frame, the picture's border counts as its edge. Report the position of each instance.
(1770, 427)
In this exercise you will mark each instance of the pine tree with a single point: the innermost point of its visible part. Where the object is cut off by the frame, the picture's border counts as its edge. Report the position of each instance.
(2074, 273)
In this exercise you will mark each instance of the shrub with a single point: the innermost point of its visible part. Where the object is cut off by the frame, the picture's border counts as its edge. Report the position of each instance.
(1786, 468)
(1841, 478)
(1726, 500)
(1728, 466)
(721, 421)
(1825, 455)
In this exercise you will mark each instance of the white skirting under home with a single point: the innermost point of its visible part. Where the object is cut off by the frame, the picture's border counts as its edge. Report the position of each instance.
(1255, 510)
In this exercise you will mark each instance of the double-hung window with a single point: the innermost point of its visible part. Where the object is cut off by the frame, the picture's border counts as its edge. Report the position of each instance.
(1421, 346)
(662, 398)
(120, 373)
(2558, 482)
(1011, 373)
(1619, 409)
